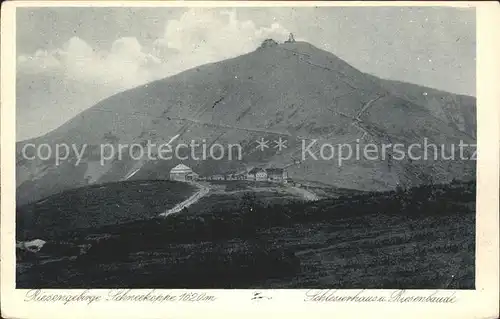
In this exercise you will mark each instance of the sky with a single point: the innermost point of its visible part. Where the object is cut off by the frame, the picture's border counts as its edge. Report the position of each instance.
(70, 58)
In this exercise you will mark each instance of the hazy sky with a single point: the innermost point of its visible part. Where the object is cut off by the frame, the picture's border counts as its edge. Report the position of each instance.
(108, 50)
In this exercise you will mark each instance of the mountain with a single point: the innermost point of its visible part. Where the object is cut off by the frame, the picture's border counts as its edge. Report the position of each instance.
(292, 90)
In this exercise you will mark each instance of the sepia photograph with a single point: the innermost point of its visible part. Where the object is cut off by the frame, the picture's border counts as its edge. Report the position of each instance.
(247, 147)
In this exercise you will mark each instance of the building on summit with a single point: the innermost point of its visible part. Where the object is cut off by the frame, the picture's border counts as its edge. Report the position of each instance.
(276, 174)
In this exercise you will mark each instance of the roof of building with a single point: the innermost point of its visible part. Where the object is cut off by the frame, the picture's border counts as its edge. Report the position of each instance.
(256, 170)
(181, 168)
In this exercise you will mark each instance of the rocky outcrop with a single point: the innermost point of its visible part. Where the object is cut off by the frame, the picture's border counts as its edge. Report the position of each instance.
(32, 245)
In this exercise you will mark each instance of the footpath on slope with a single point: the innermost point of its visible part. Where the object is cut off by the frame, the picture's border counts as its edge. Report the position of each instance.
(307, 195)
(202, 191)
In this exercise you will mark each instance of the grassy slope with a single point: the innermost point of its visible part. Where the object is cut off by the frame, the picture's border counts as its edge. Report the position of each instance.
(98, 205)
(423, 238)
(458, 111)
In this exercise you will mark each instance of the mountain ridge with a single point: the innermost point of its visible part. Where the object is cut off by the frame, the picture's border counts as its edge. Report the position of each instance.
(387, 86)
(289, 90)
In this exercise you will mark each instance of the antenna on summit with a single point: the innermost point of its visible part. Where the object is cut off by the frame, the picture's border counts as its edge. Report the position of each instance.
(291, 39)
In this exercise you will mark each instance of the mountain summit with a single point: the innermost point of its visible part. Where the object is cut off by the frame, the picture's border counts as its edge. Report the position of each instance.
(290, 90)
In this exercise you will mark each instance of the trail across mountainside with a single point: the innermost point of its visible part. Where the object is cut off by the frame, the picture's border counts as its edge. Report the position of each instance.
(307, 195)
(203, 190)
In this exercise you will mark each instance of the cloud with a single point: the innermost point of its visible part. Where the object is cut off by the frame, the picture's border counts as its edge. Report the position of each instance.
(40, 61)
(202, 36)
(123, 66)
(216, 33)
(197, 37)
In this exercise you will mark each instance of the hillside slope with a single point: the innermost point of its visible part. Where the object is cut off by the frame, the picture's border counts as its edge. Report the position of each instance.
(294, 91)
(458, 111)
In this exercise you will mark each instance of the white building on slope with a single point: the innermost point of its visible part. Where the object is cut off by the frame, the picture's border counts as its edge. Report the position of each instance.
(182, 173)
